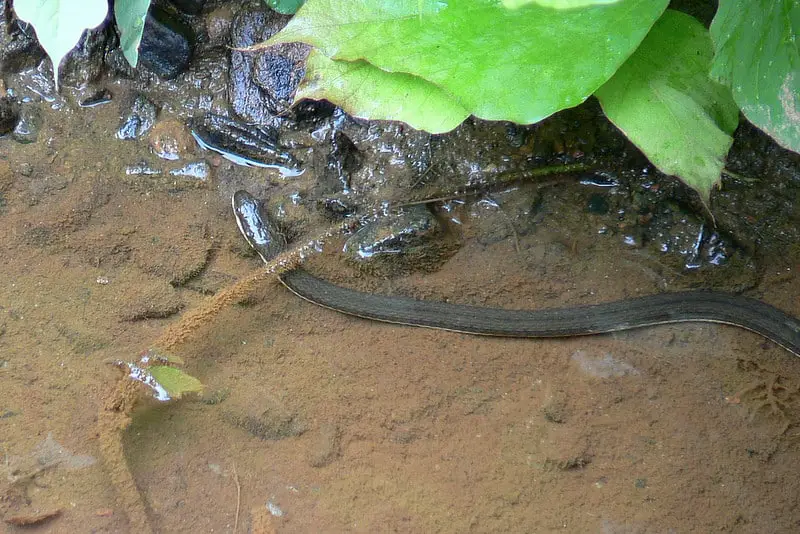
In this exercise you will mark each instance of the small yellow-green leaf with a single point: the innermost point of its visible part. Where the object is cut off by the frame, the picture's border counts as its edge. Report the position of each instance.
(369, 92)
(175, 381)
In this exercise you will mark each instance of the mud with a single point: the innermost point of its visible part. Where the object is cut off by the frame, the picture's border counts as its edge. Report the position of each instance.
(315, 421)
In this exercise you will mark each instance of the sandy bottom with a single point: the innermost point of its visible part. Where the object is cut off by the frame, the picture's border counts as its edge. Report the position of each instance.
(313, 421)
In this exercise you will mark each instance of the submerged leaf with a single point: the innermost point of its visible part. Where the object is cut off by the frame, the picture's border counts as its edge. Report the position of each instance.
(664, 102)
(59, 24)
(758, 57)
(500, 64)
(130, 15)
(368, 92)
(175, 381)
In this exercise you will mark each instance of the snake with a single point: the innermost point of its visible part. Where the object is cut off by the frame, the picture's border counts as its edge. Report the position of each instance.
(626, 314)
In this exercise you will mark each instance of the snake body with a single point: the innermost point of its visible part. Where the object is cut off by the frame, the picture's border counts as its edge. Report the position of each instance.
(662, 308)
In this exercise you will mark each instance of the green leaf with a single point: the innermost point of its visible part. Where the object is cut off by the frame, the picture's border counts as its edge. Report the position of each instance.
(286, 7)
(60, 23)
(499, 64)
(175, 381)
(665, 103)
(130, 15)
(368, 92)
(758, 57)
(557, 4)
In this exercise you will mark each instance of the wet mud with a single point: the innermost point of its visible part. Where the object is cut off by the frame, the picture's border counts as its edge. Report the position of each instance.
(316, 421)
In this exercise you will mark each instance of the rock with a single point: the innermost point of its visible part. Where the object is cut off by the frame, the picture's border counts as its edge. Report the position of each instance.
(167, 44)
(244, 144)
(35, 84)
(399, 243)
(198, 171)
(683, 241)
(139, 120)
(85, 63)
(19, 48)
(218, 25)
(278, 71)
(190, 7)
(251, 100)
(343, 161)
(27, 128)
(98, 98)
(9, 115)
(391, 149)
(170, 139)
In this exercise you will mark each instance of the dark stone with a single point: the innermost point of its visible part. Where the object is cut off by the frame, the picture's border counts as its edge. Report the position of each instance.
(390, 149)
(243, 144)
(343, 161)
(250, 99)
(218, 25)
(9, 115)
(190, 7)
(278, 72)
(139, 119)
(167, 44)
(30, 121)
(338, 208)
(103, 96)
(310, 114)
(34, 84)
(19, 48)
(117, 65)
(86, 62)
(399, 243)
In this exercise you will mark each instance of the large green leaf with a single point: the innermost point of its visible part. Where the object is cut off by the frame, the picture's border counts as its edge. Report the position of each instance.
(758, 58)
(130, 15)
(60, 23)
(556, 4)
(368, 92)
(500, 64)
(665, 103)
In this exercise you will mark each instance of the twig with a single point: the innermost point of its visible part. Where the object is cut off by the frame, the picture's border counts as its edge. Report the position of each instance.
(115, 416)
(238, 498)
(501, 179)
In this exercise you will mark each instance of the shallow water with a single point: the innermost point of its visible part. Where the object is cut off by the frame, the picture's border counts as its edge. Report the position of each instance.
(369, 427)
